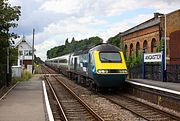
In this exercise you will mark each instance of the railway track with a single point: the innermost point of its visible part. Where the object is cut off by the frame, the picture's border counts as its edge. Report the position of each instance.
(141, 109)
(71, 107)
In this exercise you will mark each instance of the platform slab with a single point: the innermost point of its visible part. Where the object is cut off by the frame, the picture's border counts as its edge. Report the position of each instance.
(24, 103)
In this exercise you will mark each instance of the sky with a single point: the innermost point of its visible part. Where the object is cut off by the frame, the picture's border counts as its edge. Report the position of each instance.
(56, 20)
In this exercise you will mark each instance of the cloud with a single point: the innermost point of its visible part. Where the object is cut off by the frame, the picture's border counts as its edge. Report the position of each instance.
(106, 7)
(56, 20)
(62, 6)
(42, 48)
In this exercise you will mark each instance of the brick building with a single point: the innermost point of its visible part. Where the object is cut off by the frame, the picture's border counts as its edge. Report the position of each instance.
(149, 33)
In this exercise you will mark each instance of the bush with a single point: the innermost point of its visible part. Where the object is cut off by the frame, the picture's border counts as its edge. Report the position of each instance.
(26, 75)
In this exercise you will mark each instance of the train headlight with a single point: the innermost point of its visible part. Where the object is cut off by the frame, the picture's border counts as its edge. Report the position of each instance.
(102, 71)
(122, 71)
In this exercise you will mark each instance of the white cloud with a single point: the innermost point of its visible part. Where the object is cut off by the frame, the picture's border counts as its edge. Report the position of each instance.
(106, 7)
(62, 6)
(42, 48)
(56, 20)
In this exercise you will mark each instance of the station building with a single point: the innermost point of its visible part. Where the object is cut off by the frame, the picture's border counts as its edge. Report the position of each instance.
(24, 54)
(148, 34)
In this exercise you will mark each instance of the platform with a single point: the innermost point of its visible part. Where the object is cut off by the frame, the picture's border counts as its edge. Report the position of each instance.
(25, 102)
(158, 85)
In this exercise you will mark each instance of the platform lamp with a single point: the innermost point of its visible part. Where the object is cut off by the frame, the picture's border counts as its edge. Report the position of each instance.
(160, 14)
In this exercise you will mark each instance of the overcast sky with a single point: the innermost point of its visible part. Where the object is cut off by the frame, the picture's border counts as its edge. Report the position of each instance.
(56, 20)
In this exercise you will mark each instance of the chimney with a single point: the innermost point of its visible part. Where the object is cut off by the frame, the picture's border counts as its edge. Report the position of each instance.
(156, 15)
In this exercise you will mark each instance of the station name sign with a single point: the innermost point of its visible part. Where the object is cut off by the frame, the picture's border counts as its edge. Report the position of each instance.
(152, 57)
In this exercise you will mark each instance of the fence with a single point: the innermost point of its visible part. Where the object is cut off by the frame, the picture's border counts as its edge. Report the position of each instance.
(173, 73)
(153, 71)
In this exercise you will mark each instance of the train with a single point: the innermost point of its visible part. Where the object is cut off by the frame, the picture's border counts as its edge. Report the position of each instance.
(101, 66)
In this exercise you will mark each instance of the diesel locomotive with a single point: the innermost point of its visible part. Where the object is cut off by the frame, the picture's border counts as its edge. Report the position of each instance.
(102, 66)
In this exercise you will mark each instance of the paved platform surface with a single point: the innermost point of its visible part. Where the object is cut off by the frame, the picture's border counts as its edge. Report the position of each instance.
(166, 85)
(24, 102)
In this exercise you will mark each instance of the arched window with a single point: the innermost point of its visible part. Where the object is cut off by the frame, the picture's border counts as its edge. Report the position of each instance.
(153, 45)
(137, 48)
(131, 49)
(125, 50)
(145, 45)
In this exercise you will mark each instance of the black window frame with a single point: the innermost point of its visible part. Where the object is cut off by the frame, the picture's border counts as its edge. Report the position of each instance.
(110, 61)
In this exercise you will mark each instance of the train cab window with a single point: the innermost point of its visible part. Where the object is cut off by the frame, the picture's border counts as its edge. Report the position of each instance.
(110, 57)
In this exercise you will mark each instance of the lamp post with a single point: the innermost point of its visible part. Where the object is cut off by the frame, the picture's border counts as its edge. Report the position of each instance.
(160, 14)
(165, 39)
(33, 51)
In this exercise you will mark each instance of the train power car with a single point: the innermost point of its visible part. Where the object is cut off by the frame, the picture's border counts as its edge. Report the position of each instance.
(102, 66)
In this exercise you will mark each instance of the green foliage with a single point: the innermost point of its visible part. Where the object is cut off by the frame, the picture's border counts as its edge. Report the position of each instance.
(73, 46)
(8, 19)
(37, 68)
(37, 60)
(117, 41)
(13, 56)
(133, 60)
(114, 40)
(161, 44)
(25, 75)
(67, 42)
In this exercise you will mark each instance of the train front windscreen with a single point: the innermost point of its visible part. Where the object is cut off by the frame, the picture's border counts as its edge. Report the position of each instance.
(110, 57)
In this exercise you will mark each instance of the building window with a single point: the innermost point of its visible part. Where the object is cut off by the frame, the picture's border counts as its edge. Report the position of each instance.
(30, 52)
(131, 49)
(145, 45)
(153, 45)
(125, 51)
(137, 48)
(20, 52)
(26, 52)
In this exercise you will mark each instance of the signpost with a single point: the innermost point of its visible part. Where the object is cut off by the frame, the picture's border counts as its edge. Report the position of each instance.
(154, 57)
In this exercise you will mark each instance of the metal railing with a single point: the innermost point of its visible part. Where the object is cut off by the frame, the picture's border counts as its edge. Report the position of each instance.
(153, 72)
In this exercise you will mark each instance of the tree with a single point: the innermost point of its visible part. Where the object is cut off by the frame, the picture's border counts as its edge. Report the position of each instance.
(67, 42)
(9, 15)
(115, 40)
(14, 56)
(73, 46)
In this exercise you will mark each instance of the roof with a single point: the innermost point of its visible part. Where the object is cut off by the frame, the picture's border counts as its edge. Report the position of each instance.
(149, 23)
(22, 40)
(99, 47)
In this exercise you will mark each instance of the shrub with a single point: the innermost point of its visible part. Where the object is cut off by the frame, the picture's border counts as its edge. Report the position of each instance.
(26, 75)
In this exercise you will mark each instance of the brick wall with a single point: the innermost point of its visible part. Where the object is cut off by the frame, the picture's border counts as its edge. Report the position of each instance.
(140, 36)
(156, 32)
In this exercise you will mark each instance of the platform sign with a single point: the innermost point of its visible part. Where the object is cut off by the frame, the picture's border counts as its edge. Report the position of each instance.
(153, 57)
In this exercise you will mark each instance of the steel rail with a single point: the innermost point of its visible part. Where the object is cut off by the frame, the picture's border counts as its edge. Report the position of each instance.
(173, 117)
(94, 114)
(57, 100)
(154, 108)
